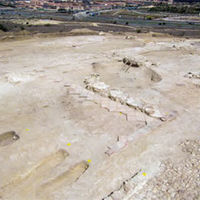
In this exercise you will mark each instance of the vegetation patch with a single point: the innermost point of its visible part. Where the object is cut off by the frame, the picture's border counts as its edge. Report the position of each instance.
(184, 9)
(3, 28)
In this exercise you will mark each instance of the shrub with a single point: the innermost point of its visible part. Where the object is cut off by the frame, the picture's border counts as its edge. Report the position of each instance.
(62, 10)
(149, 17)
(3, 28)
(22, 28)
(138, 31)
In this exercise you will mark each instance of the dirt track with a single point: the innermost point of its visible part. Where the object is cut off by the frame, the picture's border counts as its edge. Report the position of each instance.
(79, 145)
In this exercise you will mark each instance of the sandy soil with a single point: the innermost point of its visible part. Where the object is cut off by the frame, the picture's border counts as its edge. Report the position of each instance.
(63, 132)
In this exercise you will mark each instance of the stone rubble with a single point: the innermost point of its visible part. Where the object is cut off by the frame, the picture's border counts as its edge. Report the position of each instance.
(130, 62)
(177, 180)
(193, 75)
(94, 84)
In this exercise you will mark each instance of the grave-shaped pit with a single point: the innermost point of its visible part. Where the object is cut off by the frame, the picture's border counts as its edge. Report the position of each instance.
(8, 138)
(68, 177)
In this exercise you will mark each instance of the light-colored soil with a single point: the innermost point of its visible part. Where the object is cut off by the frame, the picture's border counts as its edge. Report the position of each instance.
(76, 144)
(36, 22)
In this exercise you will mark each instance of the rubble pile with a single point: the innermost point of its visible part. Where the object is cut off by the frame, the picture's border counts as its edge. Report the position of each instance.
(193, 75)
(130, 62)
(93, 83)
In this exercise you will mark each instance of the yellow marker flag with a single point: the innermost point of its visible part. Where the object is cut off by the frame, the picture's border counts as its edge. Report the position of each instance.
(144, 174)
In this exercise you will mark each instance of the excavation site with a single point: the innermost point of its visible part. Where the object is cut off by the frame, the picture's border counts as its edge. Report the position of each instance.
(99, 115)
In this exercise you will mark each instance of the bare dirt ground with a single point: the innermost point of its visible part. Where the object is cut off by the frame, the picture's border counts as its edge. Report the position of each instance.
(73, 143)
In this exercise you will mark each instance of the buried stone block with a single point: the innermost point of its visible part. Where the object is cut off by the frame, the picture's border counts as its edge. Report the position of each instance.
(117, 95)
(152, 112)
(100, 87)
(134, 104)
(93, 83)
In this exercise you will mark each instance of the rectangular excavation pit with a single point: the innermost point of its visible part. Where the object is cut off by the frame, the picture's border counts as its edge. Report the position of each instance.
(66, 178)
(36, 174)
